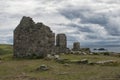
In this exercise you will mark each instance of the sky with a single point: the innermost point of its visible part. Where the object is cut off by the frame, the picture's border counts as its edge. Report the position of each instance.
(90, 22)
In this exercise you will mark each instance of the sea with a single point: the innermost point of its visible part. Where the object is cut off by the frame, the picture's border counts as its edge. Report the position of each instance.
(115, 49)
(109, 49)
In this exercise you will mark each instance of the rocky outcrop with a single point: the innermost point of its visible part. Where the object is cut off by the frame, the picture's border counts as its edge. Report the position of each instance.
(33, 39)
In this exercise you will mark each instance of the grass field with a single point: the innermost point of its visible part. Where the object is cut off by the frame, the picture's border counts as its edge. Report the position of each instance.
(25, 69)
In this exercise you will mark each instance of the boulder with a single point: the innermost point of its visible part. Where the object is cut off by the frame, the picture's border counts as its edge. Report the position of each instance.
(42, 68)
(108, 62)
(56, 56)
(67, 65)
(49, 57)
(84, 61)
(62, 61)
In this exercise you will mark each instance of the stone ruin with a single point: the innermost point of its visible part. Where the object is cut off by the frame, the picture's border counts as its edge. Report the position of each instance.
(33, 39)
(76, 46)
(77, 49)
(37, 40)
(61, 43)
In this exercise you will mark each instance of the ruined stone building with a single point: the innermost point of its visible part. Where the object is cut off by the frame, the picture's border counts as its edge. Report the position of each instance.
(33, 39)
(76, 46)
(37, 40)
(61, 43)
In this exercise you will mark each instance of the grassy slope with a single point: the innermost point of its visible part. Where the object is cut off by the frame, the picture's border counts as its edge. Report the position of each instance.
(5, 49)
(23, 69)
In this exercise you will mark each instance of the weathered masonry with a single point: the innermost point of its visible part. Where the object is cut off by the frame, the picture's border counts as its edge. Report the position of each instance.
(76, 46)
(37, 40)
(33, 39)
(61, 43)
(61, 40)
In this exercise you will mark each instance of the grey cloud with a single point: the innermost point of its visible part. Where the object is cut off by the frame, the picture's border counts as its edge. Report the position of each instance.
(92, 37)
(6, 36)
(80, 28)
(88, 15)
(96, 18)
(113, 26)
(71, 12)
(108, 1)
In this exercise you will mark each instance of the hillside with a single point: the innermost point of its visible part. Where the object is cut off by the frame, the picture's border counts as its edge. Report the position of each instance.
(25, 69)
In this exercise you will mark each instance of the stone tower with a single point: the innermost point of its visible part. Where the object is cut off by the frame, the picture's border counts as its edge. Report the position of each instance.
(61, 43)
(33, 39)
(76, 46)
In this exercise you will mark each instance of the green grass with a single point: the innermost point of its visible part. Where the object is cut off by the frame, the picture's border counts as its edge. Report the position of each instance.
(25, 69)
(5, 49)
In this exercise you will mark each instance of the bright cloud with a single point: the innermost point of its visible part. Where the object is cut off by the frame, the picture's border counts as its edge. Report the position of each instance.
(87, 21)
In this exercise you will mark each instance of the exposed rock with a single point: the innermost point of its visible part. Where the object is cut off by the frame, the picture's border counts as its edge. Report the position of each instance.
(91, 63)
(56, 56)
(84, 61)
(42, 68)
(84, 53)
(51, 56)
(67, 61)
(62, 61)
(67, 65)
(33, 39)
(107, 62)
(74, 61)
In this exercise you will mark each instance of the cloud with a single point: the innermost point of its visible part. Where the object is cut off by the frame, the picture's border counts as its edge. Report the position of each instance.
(87, 21)
(6, 36)
(101, 17)
(113, 26)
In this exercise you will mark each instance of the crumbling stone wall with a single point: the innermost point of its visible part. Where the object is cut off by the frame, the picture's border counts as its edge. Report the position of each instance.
(86, 50)
(33, 39)
(76, 46)
(61, 40)
(61, 43)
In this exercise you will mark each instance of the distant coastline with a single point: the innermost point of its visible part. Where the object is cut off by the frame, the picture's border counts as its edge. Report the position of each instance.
(109, 49)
